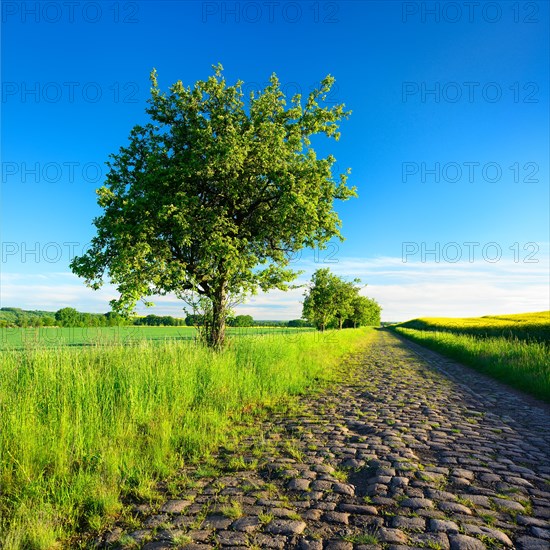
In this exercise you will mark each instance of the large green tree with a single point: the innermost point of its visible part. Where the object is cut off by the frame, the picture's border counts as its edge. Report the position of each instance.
(213, 196)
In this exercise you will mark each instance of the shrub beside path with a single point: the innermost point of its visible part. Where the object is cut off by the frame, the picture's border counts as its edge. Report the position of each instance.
(409, 450)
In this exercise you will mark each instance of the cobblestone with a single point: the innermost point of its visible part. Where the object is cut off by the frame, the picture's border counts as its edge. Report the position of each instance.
(409, 450)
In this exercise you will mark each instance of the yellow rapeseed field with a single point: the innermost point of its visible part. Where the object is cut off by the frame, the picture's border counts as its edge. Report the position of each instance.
(523, 326)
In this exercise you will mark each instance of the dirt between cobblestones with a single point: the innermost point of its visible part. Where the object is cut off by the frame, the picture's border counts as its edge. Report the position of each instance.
(409, 450)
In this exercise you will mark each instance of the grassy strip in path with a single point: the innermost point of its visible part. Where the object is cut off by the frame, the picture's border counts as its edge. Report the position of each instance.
(82, 428)
(523, 365)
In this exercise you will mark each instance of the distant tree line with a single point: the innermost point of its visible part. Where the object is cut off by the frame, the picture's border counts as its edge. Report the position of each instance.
(249, 321)
(70, 317)
(65, 317)
(17, 317)
(158, 321)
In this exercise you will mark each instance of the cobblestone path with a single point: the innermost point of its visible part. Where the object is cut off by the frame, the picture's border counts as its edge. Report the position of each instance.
(410, 450)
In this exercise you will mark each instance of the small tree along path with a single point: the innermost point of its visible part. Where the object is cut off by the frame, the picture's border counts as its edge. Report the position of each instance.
(405, 452)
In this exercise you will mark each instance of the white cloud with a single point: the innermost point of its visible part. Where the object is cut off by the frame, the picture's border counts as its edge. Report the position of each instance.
(468, 299)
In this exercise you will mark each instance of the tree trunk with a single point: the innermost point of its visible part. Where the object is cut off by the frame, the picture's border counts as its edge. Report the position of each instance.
(216, 338)
(340, 321)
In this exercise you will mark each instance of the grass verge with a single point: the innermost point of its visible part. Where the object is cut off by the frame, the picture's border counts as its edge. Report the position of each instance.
(523, 365)
(83, 428)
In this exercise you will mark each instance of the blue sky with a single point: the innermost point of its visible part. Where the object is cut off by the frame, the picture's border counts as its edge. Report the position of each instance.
(448, 141)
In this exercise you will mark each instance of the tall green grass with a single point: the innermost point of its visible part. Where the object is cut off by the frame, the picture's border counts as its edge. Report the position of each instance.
(82, 428)
(523, 365)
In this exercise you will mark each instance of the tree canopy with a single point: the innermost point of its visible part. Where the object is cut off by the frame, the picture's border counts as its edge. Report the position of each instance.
(210, 199)
(68, 317)
(320, 302)
(331, 300)
(365, 312)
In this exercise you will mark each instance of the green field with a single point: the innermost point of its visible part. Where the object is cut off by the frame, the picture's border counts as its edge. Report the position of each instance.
(83, 427)
(17, 338)
(512, 348)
